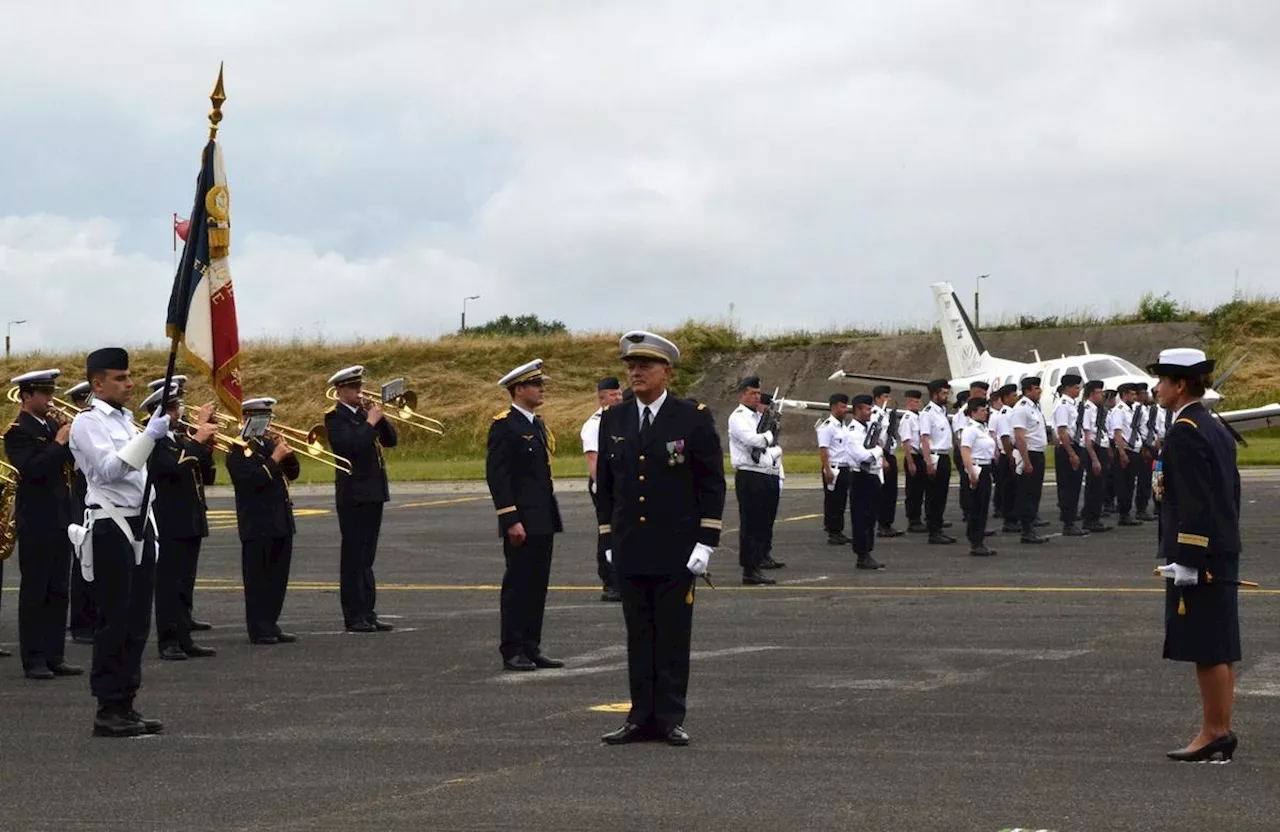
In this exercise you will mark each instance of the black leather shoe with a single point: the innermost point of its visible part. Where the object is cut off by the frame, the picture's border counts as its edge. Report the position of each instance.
(770, 563)
(361, 627)
(1126, 520)
(195, 651)
(382, 626)
(677, 736)
(546, 662)
(941, 539)
(286, 638)
(200, 626)
(1033, 537)
(868, 562)
(173, 653)
(1096, 528)
(981, 552)
(1147, 517)
(754, 578)
(1040, 524)
(1011, 528)
(990, 533)
(837, 540)
(82, 638)
(111, 723)
(611, 595)
(40, 674)
(64, 669)
(519, 663)
(946, 524)
(889, 531)
(1223, 747)
(1073, 530)
(264, 640)
(151, 726)
(918, 528)
(627, 733)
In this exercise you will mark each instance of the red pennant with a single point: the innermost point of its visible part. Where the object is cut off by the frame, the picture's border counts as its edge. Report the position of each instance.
(181, 228)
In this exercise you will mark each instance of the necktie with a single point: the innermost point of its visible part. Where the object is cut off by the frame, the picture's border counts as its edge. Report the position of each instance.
(645, 423)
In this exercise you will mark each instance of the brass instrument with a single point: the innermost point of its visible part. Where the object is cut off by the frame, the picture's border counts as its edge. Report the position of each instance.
(221, 442)
(8, 499)
(63, 411)
(311, 441)
(400, 409)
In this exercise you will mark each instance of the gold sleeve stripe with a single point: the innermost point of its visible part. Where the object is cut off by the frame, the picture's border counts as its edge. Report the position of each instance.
(270, 476)
(1193, 540)
(606, 528)
(711, 523)
(1185, 421)
(506, 510)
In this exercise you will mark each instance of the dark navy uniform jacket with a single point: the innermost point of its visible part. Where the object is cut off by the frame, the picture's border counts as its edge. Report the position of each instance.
(1200, 503)
(180, 468)
(45, 468)
(264, 508)
(518, 470)
(654, 502)
(351, 436)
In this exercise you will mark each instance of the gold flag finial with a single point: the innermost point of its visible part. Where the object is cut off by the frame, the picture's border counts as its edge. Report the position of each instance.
(217, 97)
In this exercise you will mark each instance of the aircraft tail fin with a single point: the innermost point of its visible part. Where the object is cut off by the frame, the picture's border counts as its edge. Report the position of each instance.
(966, 354)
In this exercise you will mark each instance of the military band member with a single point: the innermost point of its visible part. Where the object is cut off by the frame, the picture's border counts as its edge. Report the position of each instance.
(661, 501)
(117, 549)
(608, 393)
(882, 413)
(359, 434)
(915, 478)
(1199, 498)
(37, 446)
(978, 454)
(1145, 417)
(1098, 464)
(833, 439)
(180, 467)
(1125, 450)
(1005, 475)
(867, 466)
(1069, 456)
(264, 520)
(935, 442)
(83, 612)
(518, 471)
(1030, 440)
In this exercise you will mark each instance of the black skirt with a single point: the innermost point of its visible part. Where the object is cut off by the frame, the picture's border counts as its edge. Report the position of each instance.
(1202, 622)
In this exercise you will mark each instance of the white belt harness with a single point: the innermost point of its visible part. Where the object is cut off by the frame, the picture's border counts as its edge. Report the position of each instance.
(82, 536)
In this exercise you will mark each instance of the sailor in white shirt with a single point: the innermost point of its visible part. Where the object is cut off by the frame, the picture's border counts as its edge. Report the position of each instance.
(1126, 445)
(1005, 491)
(116, 546)
(1145, 416)
(755, 482)
(1096, 459)
(867, 464)
(833, 438)
(608, 393)
(1030, 439)
(883, 414)
(958, 423)
(1069, 456)
(978, 455)
(936, 443)
(916, 477)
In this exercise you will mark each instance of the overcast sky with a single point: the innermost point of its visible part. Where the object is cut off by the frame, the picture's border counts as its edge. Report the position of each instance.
(622, 164)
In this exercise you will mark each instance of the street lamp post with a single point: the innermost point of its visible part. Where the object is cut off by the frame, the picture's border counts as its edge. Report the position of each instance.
(464, 309)
(976, 286)
(8, 332)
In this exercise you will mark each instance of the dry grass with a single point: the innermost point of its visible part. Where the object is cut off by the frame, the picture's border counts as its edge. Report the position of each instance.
(1249, 328)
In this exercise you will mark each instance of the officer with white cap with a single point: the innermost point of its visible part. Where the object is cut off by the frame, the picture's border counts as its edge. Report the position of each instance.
(359, 434)
(660, 504)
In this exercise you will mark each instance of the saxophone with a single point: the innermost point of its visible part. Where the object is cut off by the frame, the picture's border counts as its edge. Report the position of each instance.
(8, 520)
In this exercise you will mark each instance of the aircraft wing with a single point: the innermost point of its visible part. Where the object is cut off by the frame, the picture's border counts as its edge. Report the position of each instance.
(839, 374)
(800, 404)
(1253, 418)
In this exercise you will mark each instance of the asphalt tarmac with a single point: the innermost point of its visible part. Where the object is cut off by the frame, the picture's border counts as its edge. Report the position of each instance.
(943, 692)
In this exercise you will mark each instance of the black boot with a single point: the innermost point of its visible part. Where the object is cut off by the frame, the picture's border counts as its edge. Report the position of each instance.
(115, 721)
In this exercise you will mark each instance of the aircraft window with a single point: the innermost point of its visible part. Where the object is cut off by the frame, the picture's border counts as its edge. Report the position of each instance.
(1106, 368)
(1072, 371)
(1053, 380)
(1130, 369)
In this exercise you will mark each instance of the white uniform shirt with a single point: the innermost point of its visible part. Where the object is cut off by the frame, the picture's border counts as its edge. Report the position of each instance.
(743, 436)
(1001, 426)
(860, 456)
(834, 436)
(959, 421)
(976, 436)
(1026, 415)
(1066, 414)
(1121, 418)
(591, 433)
(96, 435)
(934, 422)
(909, 430)
(1162, 419)
(653, 409)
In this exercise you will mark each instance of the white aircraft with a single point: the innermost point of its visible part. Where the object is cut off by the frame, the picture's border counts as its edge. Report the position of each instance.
(970, 361)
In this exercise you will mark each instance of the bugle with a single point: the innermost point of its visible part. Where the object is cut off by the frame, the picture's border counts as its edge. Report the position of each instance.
(401, 409)
(311, 443)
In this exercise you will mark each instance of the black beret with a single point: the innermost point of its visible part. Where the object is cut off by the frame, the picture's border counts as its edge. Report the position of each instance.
(1140, 386)
(839, 398)
(981, 384)
(1127, 387)
(1090, 386)
(913, 394)
(962, 397)
(1030, 381)
(881, 390)
(1007, 389)
(975, 403)
(938, 384)
(1070, 379)
(608, 383)
(748, 382)
(862, 398)
(108, 358)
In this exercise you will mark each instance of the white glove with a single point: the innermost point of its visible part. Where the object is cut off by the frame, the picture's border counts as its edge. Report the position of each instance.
(1179, 574)
(608, 556)
(158, 426)
(768, 436)
(774, 454)
(700, 558)
(591, 486)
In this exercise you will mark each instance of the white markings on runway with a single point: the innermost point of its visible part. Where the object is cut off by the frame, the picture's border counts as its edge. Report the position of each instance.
(796, 581)
(1262, 679)
(572, 671)
(939, 673)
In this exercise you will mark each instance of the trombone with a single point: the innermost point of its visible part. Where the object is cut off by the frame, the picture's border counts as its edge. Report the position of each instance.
(311, 441)
(63, 410)
(401, 409)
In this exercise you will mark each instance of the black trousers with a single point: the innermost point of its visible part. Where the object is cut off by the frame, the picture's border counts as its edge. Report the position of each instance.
(603, 568)
(935, 494)
(1142, 483)
(45, 561)
(834, 501)
(980, 506)
(122, 591)
(1030, 486)
(264, 563)
(1095, 485)
(864, 506)
(1070, 483)
(915, 485)
(966, 496)
(175, 582)
(1126, 478)
(889, 493)
(524, 595)
(758, 496)
(357, 589)
(1009, 508)
(84, 612)
(658, 611)
(997, 486)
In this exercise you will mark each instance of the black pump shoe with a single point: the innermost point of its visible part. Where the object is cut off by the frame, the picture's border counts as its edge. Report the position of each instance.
(1224, 746)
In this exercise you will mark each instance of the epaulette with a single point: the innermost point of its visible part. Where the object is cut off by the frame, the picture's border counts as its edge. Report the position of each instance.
(504, 414)
(702, 406)
(1185, 421)
(333, 409)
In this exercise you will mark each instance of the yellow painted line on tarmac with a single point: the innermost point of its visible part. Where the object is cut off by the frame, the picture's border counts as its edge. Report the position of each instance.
(612, 708)
(454, 501)
(215, 584)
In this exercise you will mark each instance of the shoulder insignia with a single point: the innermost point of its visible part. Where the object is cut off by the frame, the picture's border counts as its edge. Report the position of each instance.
(702, 406)
(1185, 421)
(333, 409)
(504, 414)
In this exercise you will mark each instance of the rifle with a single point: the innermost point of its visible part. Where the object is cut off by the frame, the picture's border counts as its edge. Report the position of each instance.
(1078, 436)
(770, 420)
(1137, 426)
(873, 432)
(895, 416)
(1149, 441)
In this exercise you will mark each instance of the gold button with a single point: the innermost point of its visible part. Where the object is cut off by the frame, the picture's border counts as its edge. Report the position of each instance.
(642, 457)
(642, 518)
(642, 478)
(642, 499)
